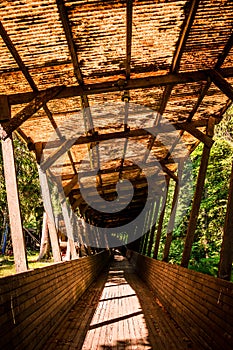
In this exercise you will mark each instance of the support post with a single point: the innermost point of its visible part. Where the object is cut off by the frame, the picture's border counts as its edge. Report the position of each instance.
(49, 210)
(197, 198)
(18, 243)
(160, 223)
(226, 254)
(45, 244)
(71, 250)
(152, 231)
(171, 222)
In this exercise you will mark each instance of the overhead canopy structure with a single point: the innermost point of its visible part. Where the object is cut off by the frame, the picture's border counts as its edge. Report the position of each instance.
(124, 87)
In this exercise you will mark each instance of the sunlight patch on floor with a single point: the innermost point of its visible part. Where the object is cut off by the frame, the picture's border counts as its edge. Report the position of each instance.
(118, 322)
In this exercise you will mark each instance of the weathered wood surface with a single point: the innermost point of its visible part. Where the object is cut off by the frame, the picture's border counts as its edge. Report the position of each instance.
(126, 317)
(34, 302)
(201, 304)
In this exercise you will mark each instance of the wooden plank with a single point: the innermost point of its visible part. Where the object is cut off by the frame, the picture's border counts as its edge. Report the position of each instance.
(184, 35)
(221, 83)
(119, 85)
(152, 232)
(171, 222)
(197, 199)
(206, 87)
(160, 223)
(49, 210)
(190, 127)
(129, 16)
(17, 57)
(226, 254)
(4, 108)
(32, 107)
(14, 206)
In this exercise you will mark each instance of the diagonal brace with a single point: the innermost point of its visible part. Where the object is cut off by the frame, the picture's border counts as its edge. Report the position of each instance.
(39, 101)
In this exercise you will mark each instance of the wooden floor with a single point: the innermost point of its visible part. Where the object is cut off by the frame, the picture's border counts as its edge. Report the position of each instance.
(118, 312)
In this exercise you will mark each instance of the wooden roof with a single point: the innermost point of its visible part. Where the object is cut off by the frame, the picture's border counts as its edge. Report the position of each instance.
(171, 60)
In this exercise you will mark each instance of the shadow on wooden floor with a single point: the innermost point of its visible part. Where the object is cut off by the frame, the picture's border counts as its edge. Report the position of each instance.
(118, 312)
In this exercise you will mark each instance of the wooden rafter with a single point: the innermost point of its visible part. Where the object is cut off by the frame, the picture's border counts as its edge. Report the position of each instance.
(62, 148)
(221, 83)
(119, 85)
(176, 59)
(38, 102)
(23, 68)
(17, 57)
(129, 20)
(88, 120)
(206, 87)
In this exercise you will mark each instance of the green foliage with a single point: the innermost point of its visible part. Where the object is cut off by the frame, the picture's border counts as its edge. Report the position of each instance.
(28, 185)
(210, 223)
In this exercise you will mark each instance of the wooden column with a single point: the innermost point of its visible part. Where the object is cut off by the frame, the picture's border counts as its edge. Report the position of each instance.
(146, 236)
(69, 224)
(152, 231)
(49, 211)
(160, 223)
(45, 244)
(197, 198)
(226, 254)
(171, 222)
(17, 237)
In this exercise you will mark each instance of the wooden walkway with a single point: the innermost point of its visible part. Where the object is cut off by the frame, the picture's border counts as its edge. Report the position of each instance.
(119, 312)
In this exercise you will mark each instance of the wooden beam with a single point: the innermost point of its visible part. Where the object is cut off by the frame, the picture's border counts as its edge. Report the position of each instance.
(16, 226)
(197, 199)
(31, 82)
(129, 17)
(120, 85)
(206, 87)
(16, 56)
(13, 206)
(189, 127)
(4, 108)
(221, 83)
(192, 130)
(135, 132)
(160, 223)
(170, 226)
(188, 21)
(226, 254)
(67, 189)
(152, 231)
(69, 38)
(77, 71)
(184, 35)
(49, 211)
(33, 106)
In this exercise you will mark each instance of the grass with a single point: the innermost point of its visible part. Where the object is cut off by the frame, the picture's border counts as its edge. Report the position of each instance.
(7, 266)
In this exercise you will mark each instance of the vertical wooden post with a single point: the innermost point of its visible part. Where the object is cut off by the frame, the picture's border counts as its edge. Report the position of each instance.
(171, 222)
(45, 244)
(49, 210)
(146, 236)
(226, 254)
(18, 243)
(197, 198)
(71, 250)
(160, 223)
(152, 231)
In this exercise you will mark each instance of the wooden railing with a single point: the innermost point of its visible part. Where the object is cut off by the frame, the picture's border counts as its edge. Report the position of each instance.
(202, 305)
(34, 302)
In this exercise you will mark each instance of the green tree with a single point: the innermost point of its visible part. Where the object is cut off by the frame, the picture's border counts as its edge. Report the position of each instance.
(28, 185)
